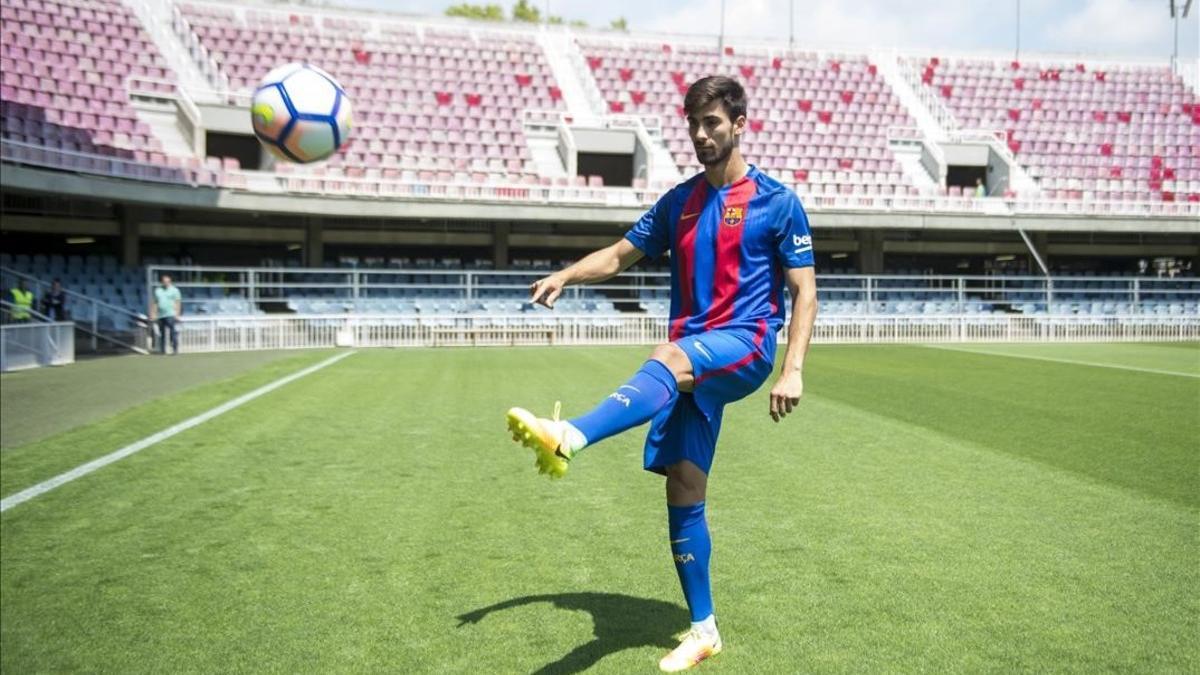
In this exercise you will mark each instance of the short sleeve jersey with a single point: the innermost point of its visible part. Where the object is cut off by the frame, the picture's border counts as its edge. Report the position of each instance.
(729, 247)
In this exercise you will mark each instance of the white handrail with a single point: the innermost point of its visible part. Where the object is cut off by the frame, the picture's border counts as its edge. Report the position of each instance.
(360, 288)
(226, 333)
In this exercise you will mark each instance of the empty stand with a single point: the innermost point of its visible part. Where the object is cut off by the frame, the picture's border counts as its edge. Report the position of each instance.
(819, 123)
(447, 287)
(439, 104)
(1113, 132)
(64, 72)
(440, 109)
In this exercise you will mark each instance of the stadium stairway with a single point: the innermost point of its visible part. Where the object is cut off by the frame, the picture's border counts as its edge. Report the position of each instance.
(891, 70)
(938, 124)
(562, 54)
(156, 18)
(162, 121)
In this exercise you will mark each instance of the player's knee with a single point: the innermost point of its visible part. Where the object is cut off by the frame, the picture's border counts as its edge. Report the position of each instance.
(686, 484)
(674, 358)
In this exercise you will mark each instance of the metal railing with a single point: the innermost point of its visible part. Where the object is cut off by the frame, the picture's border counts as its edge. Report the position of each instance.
(101, 321)
(583, 74)
(207, 334)
(365, 289)
(197, 51)
(100, 165)
(941, 114)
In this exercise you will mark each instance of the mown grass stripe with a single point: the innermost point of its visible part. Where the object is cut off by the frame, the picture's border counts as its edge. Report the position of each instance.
(1053, 359)
(101, 462)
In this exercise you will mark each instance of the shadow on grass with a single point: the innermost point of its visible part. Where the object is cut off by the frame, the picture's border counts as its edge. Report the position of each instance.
(620, 622)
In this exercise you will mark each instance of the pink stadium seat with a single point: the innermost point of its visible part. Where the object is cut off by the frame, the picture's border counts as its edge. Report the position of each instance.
(474, 80)
(78, 96)
(452, 100)
(1066, 123)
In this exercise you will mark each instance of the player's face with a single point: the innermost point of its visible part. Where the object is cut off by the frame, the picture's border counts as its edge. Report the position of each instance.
(713, 134)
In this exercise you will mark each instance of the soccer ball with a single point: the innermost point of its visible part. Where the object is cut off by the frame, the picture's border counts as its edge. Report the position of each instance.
(300, 113)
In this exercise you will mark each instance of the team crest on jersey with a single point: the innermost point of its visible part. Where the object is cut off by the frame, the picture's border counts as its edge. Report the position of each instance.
(733, 216)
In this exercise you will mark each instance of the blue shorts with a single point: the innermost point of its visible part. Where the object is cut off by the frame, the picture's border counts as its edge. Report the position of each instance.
(728, 364)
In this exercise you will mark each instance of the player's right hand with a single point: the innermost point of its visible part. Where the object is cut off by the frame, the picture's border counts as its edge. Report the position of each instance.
(546, 290)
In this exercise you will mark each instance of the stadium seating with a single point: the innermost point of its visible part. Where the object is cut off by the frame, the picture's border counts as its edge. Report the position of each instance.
(429, 287)
(1116, 132)
(99, 277)
(440, 107)
(64, 66)
(820, 123)
(438, 104)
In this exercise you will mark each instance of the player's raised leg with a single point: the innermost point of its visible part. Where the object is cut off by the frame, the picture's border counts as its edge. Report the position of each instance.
(653, 387)
(691, 549)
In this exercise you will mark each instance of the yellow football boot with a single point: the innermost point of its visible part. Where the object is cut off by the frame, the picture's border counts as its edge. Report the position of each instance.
(694, 646)
(545, 437)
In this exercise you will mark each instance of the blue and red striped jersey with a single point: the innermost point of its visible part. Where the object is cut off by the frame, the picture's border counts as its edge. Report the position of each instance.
(729, 247)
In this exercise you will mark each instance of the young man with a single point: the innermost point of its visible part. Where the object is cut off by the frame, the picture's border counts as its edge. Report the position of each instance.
(736, 236)
(165, 308)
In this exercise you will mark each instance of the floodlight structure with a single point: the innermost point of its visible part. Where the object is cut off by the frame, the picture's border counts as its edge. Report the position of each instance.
(1177, 13)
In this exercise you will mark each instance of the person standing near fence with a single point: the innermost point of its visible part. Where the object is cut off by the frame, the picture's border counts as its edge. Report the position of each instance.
(22, 301)
(54, 302)
(166, 308)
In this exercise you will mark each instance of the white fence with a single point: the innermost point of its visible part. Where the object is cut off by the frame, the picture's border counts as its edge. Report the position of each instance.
(204, 334)
(32, 345)
(370, 290)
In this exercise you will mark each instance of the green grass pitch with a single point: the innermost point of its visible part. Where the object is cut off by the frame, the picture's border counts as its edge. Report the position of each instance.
(936, 510)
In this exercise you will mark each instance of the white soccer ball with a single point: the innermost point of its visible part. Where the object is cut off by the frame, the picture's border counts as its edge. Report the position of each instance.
(300, 113)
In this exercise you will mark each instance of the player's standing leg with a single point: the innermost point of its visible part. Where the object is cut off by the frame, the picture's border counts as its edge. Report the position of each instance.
(691, 548)
(655, 386)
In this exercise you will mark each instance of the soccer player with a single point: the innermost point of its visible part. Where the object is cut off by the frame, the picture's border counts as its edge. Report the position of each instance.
(735, 236)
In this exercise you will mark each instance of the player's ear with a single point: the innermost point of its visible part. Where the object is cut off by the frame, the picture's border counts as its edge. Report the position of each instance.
(739, 125)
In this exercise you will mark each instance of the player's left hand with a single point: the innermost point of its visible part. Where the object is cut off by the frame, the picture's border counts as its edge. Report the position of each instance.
(785, 395)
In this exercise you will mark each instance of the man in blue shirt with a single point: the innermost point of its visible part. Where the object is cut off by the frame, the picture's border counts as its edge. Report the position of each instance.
(736, 236)
(166, 307)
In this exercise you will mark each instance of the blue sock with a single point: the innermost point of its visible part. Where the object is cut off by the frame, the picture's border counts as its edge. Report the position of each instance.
(692, 549)
(650, 389)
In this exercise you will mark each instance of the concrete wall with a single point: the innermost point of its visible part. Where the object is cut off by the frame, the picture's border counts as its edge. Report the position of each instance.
(610, 141)
(998, 173)
(966, 154)
(641, 161)
(225, 118)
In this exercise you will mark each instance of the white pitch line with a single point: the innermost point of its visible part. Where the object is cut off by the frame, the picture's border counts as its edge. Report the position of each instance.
(1095, 364)
(84, 469)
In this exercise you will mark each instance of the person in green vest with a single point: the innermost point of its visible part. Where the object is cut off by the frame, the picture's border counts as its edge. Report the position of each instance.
(22, 300)
(166, 308)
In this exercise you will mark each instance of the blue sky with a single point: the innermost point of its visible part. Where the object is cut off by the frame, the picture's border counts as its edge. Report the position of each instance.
(1130, 28)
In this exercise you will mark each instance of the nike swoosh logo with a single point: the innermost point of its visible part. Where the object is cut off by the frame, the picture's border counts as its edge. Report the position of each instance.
(689, 215)
(680, 541)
